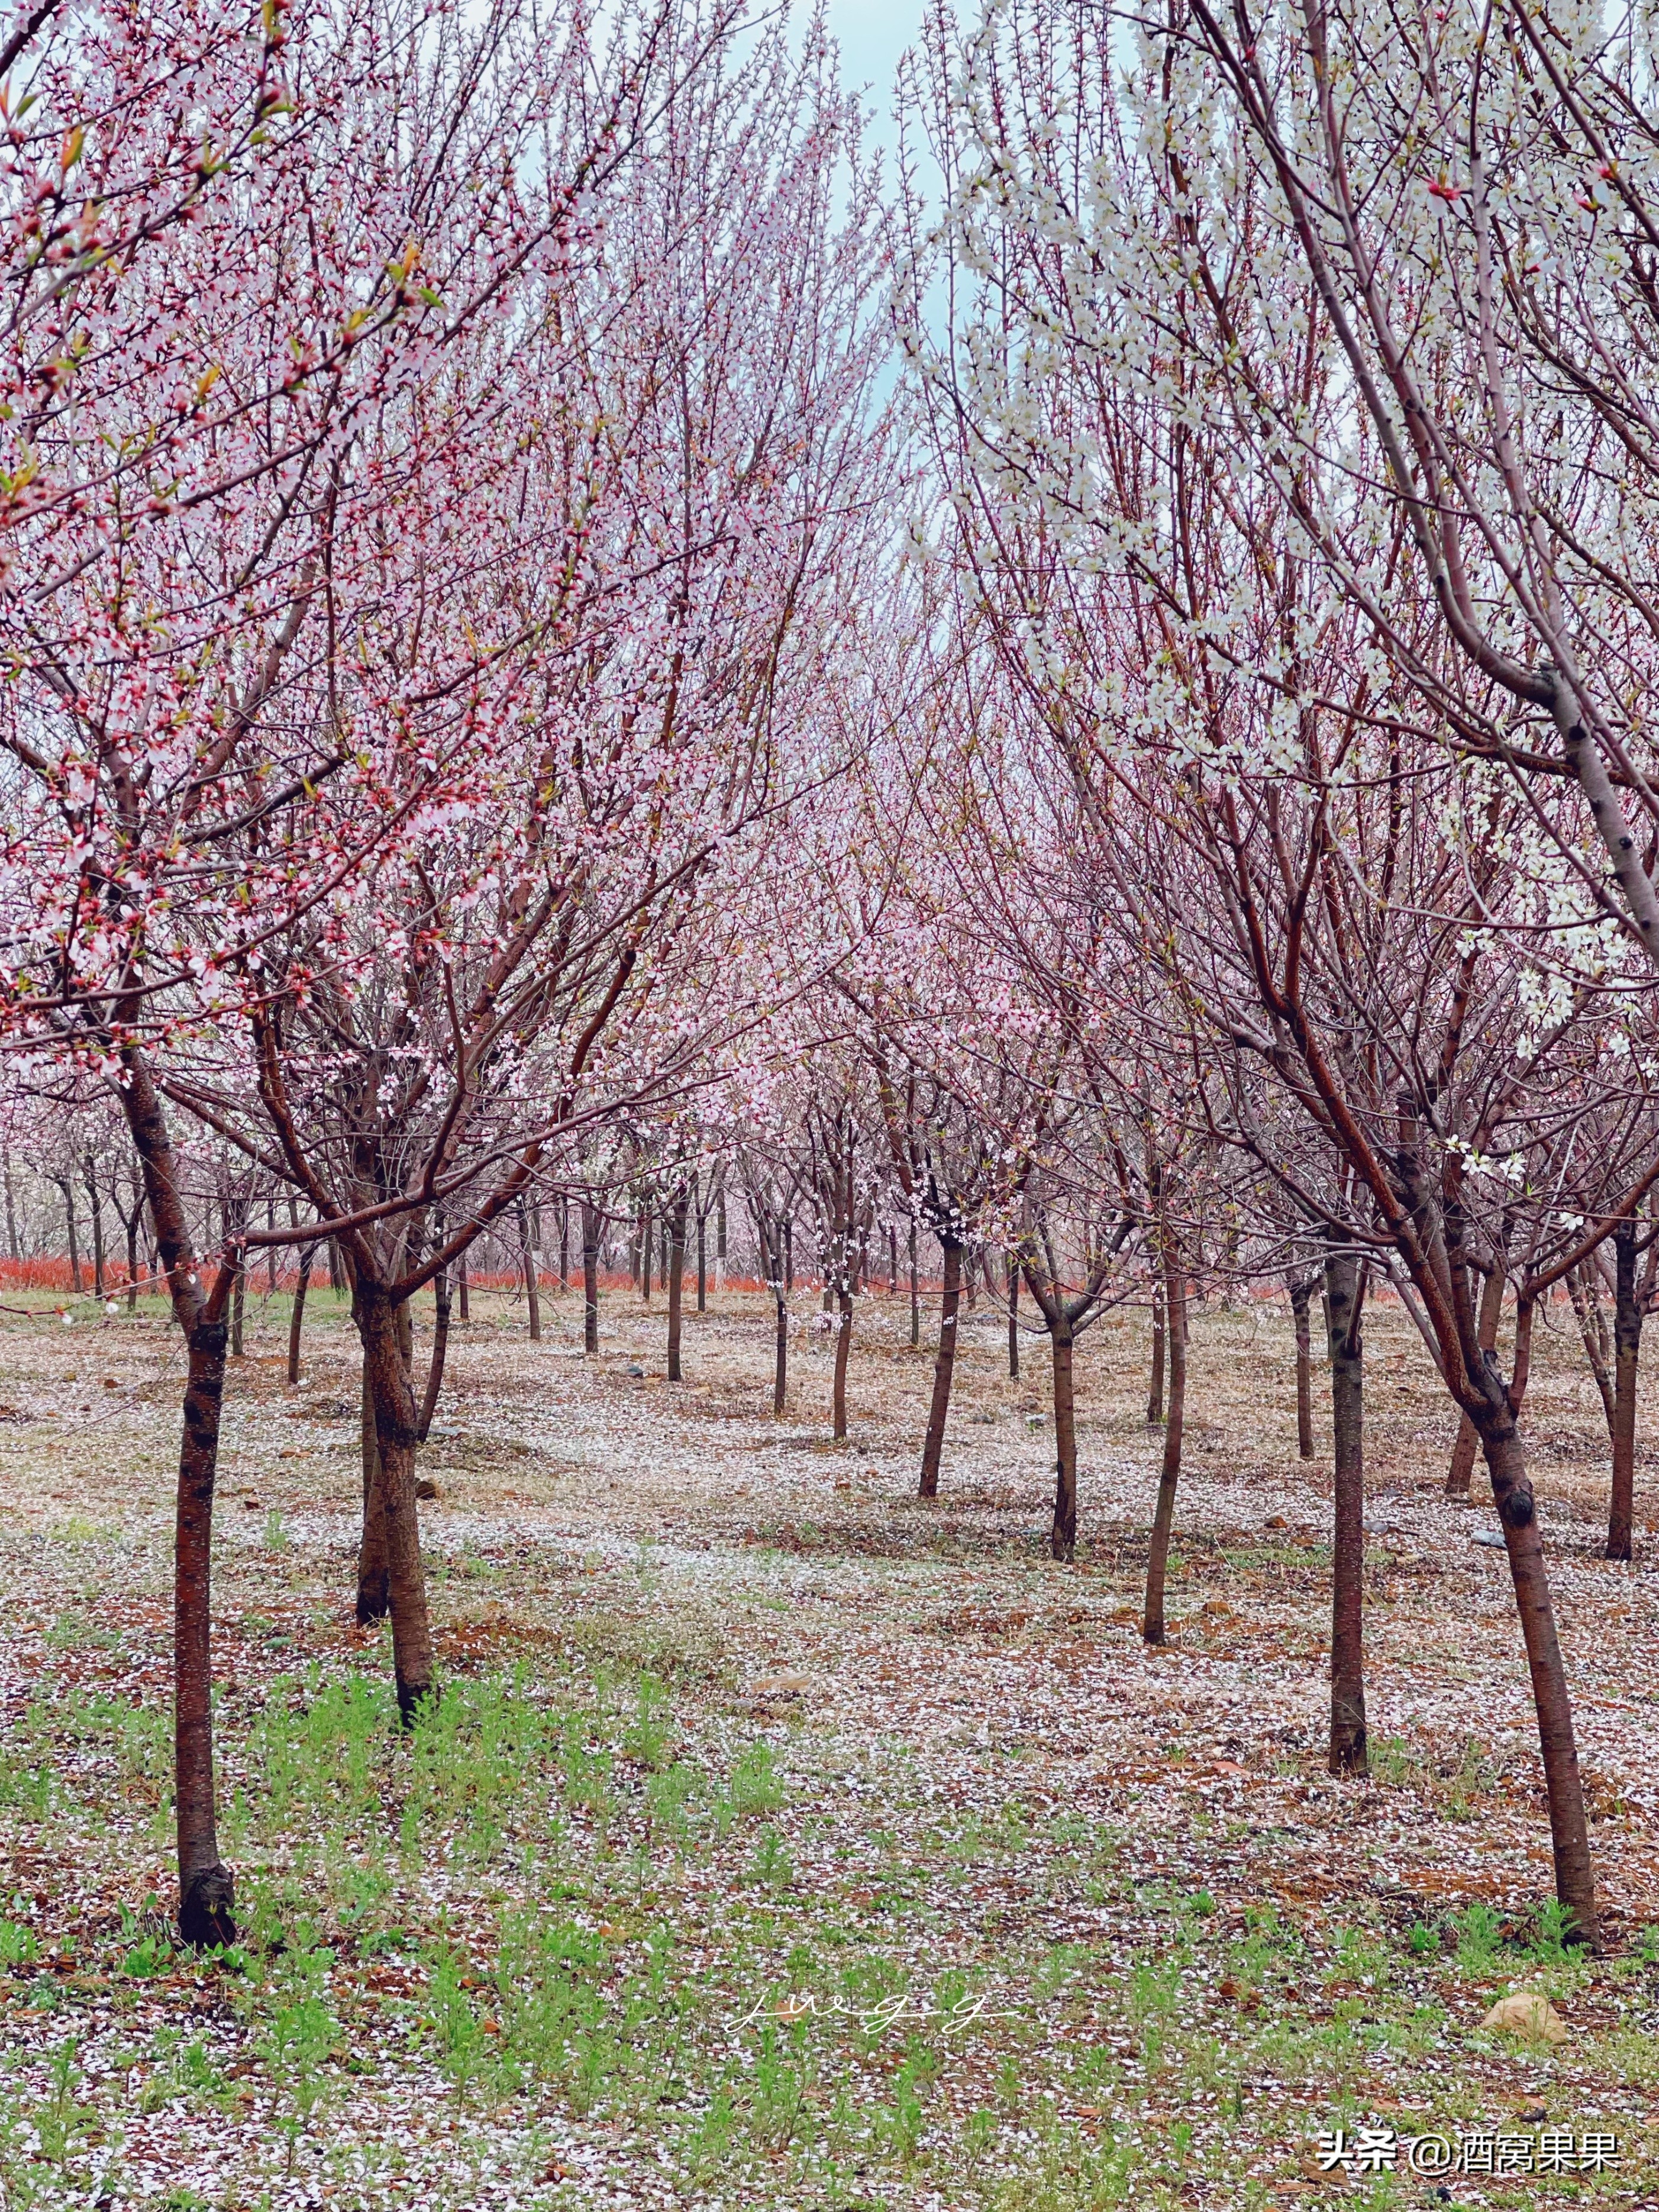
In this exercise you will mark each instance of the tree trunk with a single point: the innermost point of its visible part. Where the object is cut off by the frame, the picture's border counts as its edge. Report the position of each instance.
(238, 1307)
(1013, 1319)
(675, 1225)
(843, 1347)
(386, 1361)
(1301, 1300)
(702, 1259)
(373, 1597)
(1627, 1349)
(131, 1221)
(1342, 1304)
(68, 1189)
(1468, 1446)
(1585, 1289)
(1063, 1542)
(590, 1276)
(781, 1356)
(466, 1313)
(205, 1895)
(97, 1205)
(944, 1360)
(720, 1230)
(788, 1257)
(270, 1250)
(915, 1292)
(1158, 1560)
(297, 1319)
(434, 1373)
(1155, 1387)
(1575, 1880)
(531, 1274)
(564, 1242)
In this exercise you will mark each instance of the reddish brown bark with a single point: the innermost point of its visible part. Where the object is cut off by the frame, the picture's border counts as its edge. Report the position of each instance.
(945, 1362)
(1343, 1297)
(1155, 1385)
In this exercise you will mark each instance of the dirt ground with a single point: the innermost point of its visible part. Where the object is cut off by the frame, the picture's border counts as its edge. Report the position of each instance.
(783, 1841)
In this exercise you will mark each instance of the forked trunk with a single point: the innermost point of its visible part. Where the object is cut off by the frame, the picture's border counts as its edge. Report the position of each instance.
(297, 1319)
(1342, 1306)
(590, 1276)
(434, 1373)
(1155, 1385)
(843, 1347)
(1301, 1300)
(1468, 1446)
(945, 1362)
(385, 1363)
(1063, 1541)
(1626, 1351)
(1158, 1560)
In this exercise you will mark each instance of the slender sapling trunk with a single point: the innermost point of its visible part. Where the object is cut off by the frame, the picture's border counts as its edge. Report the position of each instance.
(945, 1362)
(1343, 1305)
